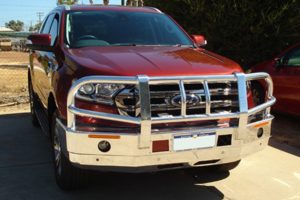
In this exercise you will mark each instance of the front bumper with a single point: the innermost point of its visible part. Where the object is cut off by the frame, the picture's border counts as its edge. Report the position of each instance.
(125, 156)
(134, 153)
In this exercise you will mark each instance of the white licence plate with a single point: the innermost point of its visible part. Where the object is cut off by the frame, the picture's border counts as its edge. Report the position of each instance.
(194, 141)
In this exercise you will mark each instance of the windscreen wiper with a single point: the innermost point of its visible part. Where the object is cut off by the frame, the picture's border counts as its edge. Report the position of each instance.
(124, 44)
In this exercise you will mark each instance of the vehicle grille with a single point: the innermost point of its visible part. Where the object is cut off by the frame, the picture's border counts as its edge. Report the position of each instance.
(166, 100)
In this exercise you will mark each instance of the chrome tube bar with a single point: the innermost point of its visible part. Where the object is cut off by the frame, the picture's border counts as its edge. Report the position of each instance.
(183, 98)
(145, 120)
(256, 76)
(207, 98)
(144, 92)
(160, 120)
(262, 106)
(105, 116)
(243, 101)
(189, 79)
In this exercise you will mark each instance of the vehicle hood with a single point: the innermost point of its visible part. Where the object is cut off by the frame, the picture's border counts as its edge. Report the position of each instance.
(151, 61)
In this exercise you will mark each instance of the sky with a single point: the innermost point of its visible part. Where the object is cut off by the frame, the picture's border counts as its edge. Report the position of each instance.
(26, 10)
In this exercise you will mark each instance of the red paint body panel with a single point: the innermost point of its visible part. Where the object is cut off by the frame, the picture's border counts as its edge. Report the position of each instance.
(73, 64)
(151, 61)
(286, 83)
(40, 39)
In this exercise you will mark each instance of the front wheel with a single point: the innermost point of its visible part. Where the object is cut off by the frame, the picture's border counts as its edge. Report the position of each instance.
(67, 176)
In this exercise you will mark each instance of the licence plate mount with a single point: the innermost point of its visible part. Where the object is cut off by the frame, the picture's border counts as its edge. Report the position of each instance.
(194, 141)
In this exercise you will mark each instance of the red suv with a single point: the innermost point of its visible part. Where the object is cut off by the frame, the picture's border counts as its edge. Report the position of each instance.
(127, 89)
(285, 72)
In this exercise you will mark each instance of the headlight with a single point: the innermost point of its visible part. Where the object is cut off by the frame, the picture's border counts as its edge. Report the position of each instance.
(87, 89)
(108, 90)
(102, 93)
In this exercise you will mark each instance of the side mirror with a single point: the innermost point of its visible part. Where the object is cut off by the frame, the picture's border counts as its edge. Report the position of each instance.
(278, 63)
(199, 40)
(40, 42)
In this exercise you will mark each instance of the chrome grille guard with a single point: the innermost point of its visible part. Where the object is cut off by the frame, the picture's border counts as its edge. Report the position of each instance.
(145, 120)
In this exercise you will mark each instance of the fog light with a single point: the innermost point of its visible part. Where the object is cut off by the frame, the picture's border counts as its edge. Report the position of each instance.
(104, 146)
(260, 132)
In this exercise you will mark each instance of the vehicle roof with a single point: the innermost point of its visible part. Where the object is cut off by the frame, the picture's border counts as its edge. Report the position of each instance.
(297, 44)
(112, 8)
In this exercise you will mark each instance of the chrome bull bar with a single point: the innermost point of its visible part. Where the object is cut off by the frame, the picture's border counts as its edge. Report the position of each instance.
(146, 120)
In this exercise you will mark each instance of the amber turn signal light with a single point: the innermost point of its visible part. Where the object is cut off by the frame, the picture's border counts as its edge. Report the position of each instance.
(261, 124)
(116, 137)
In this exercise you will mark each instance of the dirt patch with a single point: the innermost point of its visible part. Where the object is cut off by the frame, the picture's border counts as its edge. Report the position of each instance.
(13, 86)
(14, 58)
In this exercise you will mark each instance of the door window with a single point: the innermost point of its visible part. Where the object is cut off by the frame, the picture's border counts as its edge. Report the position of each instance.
(47, 24)
(54, 30)
(294, 58)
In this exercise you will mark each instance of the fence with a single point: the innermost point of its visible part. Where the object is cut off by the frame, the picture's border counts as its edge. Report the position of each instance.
(13, 70)
(13, 81)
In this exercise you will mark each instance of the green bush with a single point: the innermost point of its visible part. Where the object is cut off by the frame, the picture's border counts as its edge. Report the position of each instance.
(246, 31)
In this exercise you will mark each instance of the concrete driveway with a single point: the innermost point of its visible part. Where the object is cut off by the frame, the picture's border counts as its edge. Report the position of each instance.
(26, 173)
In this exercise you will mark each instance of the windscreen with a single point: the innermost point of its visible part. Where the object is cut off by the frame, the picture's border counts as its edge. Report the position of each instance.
(115, 28)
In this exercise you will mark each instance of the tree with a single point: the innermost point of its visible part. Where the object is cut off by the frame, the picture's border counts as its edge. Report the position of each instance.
(128, 2)
(135, 2)
(67, 2)
(35, 28)
(15, 25)
(246, 31)
(105, 2)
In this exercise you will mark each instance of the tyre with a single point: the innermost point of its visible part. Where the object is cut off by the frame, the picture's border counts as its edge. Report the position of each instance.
(33, 102)
(67, 176)
(226, 167)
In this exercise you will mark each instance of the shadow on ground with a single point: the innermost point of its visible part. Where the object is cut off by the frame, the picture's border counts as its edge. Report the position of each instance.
(26, 173)
(26, 169)
(286, 129)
